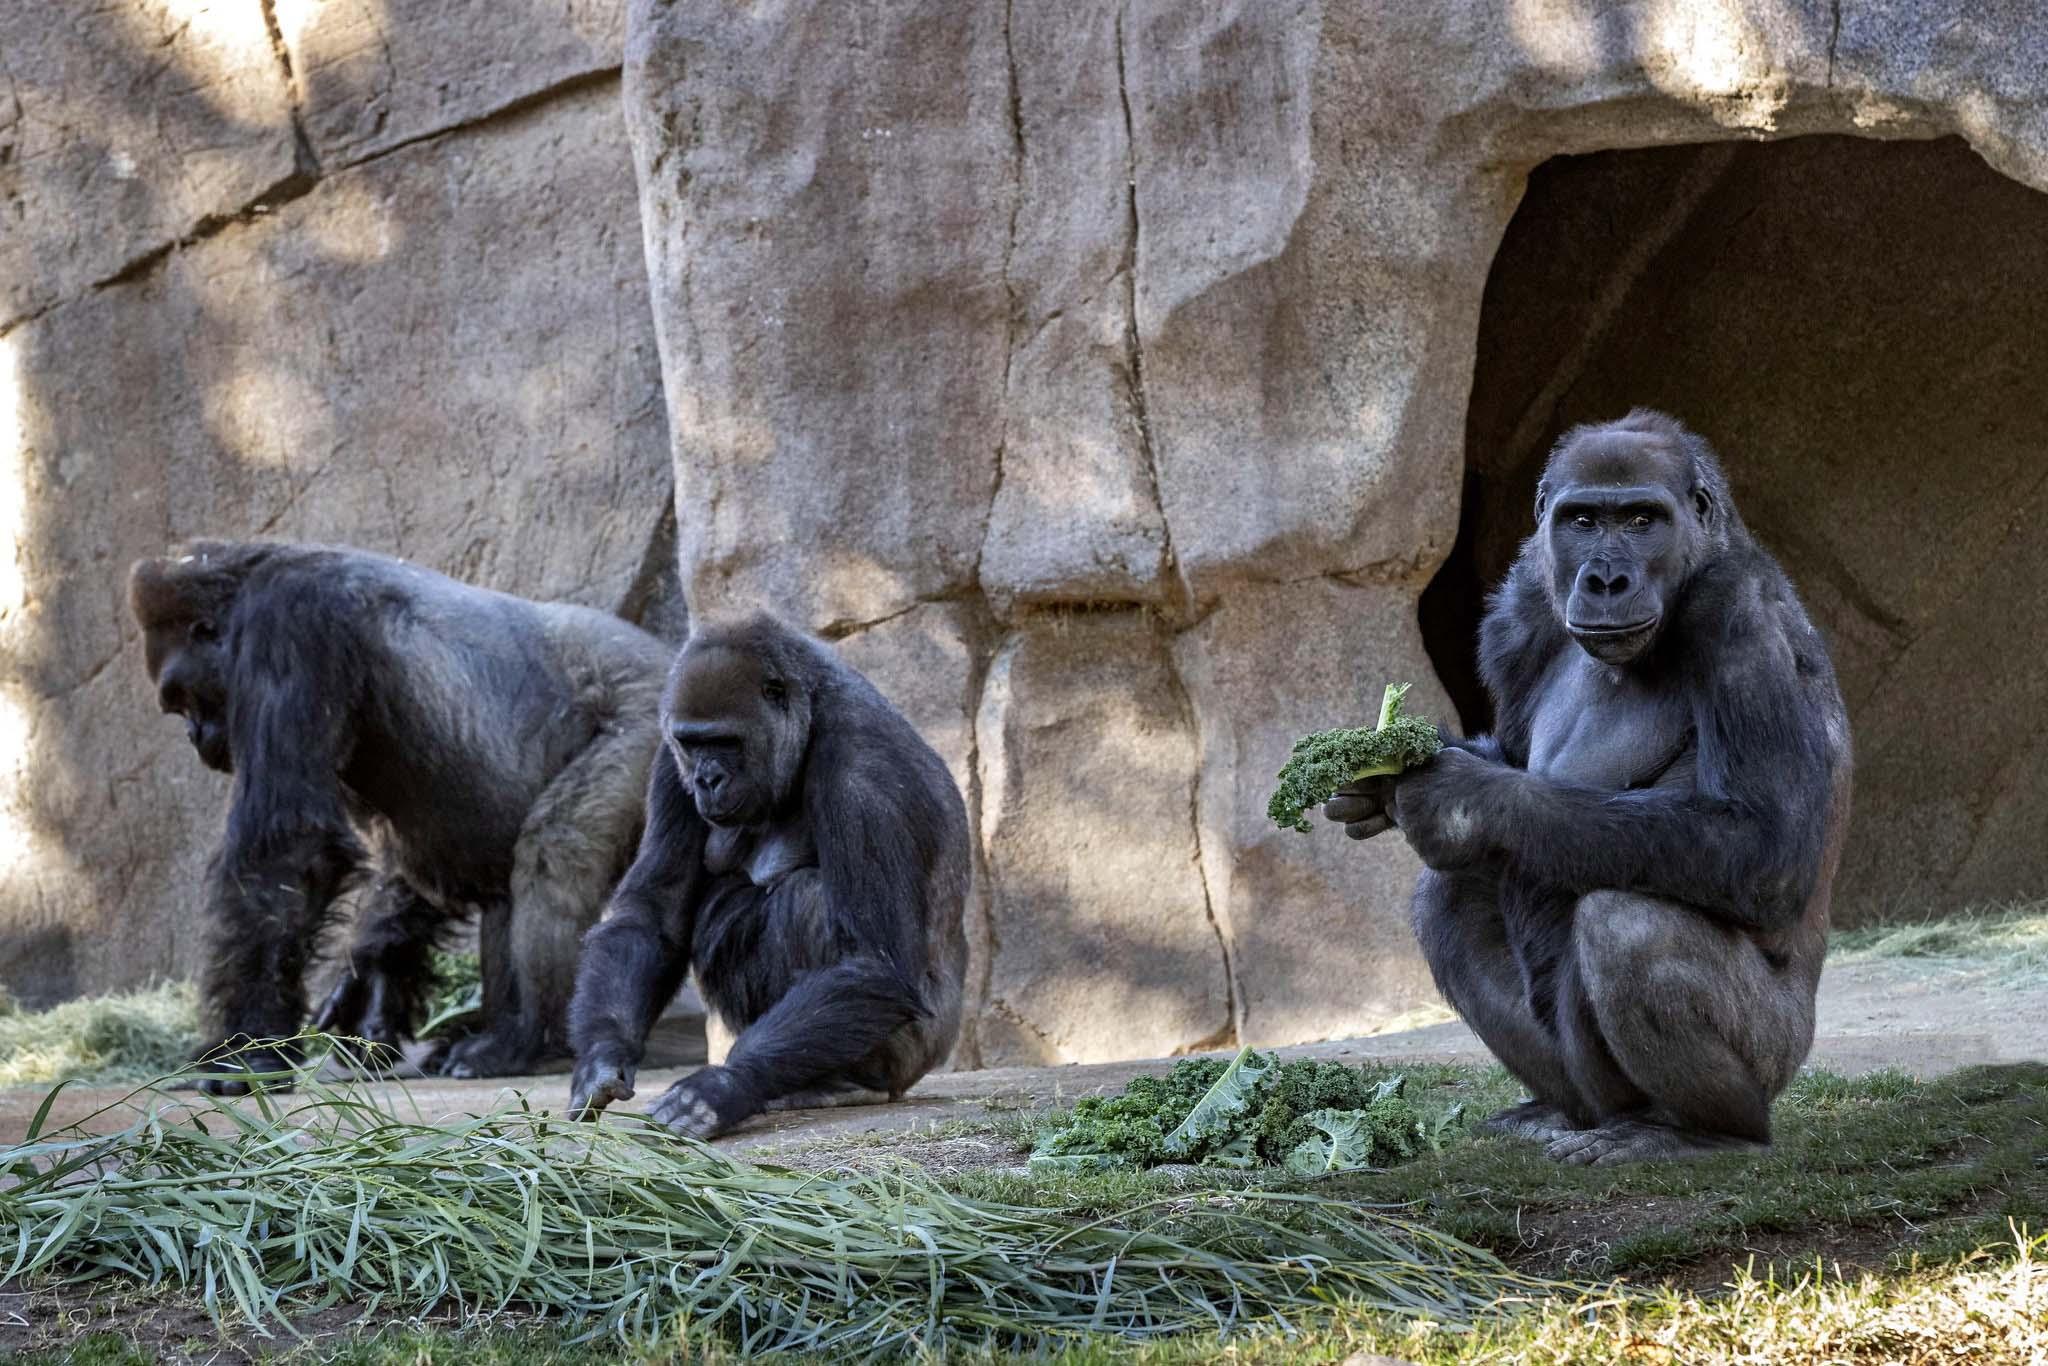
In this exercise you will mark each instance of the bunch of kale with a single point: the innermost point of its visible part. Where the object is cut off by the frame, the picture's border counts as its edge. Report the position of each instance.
(1323, 762)
(1254, 1111)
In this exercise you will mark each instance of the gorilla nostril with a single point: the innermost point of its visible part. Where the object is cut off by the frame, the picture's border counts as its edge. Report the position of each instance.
(1618, 584)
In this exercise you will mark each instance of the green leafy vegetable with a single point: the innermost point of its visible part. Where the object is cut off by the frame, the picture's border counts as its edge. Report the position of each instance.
(1254, 1111)
(1389, 1129)
(1342, 1142)
(1323, 762)
(1215, 1113)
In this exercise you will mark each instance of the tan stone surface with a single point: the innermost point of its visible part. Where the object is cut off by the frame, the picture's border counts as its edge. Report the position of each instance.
(1319, 938)
(372, 74)
(1075, 516)
(444, 354)
(1103, 945)
(122, 128)
(827, 204)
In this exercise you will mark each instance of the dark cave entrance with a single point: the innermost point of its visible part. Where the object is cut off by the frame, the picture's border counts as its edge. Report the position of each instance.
(1861, 329)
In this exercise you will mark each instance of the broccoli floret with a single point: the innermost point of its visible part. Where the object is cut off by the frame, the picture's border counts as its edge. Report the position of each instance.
(1323, 762)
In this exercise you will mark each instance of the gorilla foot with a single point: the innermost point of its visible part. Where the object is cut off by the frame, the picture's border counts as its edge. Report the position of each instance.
(1536, 1120)
(1637, 1140)
(492, 1053)
(709, 1102)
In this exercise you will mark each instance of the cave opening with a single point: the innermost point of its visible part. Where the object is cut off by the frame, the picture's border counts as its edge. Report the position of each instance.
(1861, 329)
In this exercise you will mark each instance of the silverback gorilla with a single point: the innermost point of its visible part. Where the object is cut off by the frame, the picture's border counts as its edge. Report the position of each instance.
(1626, 891)
(806, 854)
(491, 751)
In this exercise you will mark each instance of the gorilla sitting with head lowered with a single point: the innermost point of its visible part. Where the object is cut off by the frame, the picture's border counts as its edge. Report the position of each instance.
(491, 751)
(806, 854)
(1627, 884)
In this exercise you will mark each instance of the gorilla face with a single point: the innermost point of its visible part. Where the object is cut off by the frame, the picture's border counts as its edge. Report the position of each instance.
(1622, 524)
(738, 726)
(183, 603)
(188, 660)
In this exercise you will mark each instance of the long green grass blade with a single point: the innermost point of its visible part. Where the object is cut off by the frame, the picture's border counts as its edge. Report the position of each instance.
(324, 1197)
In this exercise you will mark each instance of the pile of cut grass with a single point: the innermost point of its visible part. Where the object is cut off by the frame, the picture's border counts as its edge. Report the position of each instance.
(322, 1198)
(117, 1040)
(2013, 934)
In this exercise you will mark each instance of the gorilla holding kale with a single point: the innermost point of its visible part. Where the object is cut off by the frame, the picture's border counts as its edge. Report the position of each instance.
(1626, 885)
(471, 749)
(807, 856)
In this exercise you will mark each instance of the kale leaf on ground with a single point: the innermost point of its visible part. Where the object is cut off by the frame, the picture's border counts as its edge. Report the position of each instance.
(1308, 1117)
(1323, 762)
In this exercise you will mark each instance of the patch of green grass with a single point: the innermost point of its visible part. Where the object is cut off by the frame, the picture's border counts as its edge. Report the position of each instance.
(1985, 1309)
(116, 1040)
(94, 1349)
(1856, 1159)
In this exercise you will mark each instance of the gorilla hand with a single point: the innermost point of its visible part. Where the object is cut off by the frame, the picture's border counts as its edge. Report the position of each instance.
(342, 1011)
(1443, 805)
(1364, 807)
(600, 1078)
(504, 1049)
(705, 1104)
(364, 1005)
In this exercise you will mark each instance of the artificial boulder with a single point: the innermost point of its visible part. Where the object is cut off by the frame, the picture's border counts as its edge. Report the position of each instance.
(1168, 314)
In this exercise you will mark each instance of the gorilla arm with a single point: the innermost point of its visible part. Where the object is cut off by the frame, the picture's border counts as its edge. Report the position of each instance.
(1744, 843)
(289, 848)
(635, 959)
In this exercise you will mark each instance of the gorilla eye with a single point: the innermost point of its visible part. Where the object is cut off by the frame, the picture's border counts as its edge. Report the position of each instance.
(1639, 522)
(1583, 522)
(774, 691)
(204, 631)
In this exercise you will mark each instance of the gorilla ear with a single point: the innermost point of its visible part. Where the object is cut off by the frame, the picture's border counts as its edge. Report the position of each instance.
(1703, 504)
(1542, 497)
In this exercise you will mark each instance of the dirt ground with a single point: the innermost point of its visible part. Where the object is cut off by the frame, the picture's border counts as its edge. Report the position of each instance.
(1924, 1017)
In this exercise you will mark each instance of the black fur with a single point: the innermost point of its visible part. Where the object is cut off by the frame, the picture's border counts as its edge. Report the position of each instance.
(807, 856)
(1628, 882)
(467, 748)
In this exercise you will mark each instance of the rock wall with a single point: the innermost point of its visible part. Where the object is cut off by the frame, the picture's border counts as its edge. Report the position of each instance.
(365, 271)
(1098, 374)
